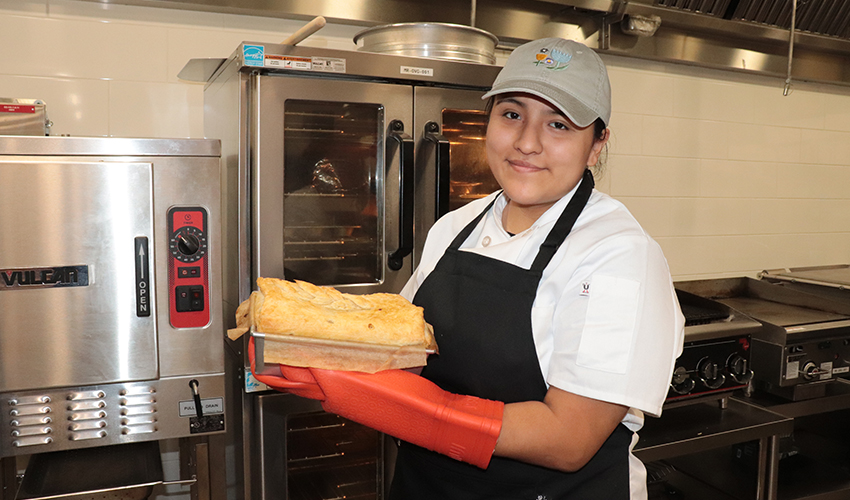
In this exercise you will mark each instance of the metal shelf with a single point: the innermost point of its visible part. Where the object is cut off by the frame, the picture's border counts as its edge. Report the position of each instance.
(686, 430)
(800, 477)
(703, 426)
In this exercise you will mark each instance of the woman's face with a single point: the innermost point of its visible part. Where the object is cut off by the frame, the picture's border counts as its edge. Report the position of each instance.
(535, 152)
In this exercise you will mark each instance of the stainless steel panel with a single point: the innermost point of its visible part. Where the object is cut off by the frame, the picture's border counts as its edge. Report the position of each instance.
(189, 181)
(365, 65)
(109, 146)
(268, 171)
(112, 420)
(71, 213)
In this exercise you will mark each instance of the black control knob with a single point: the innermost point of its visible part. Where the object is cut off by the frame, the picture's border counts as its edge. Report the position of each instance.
(188, 244)
(709, 374)
(682, 383)
(739, 368)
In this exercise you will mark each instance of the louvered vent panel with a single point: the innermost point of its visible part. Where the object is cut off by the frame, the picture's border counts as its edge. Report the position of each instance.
(710, 7)
(822, 17)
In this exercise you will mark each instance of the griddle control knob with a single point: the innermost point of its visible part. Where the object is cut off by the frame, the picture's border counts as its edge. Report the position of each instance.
(739, 368)
(810, 370)
(709, 374)
(682, 383)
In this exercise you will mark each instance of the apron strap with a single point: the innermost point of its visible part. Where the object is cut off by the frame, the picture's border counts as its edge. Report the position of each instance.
(564, 224)
(464, 234)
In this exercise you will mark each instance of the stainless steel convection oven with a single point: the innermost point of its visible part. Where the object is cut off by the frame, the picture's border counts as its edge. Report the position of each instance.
(110, 311)
(336, 165)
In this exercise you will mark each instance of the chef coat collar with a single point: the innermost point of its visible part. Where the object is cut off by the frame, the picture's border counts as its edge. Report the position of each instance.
(549, 216)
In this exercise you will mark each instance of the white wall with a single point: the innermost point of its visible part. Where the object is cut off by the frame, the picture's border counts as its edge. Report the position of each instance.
(726, 173)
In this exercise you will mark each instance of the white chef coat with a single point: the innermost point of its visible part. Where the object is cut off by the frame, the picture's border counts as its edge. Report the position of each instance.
(606, 321)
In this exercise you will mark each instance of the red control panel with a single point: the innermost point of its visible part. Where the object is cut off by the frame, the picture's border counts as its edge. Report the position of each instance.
(188, 267)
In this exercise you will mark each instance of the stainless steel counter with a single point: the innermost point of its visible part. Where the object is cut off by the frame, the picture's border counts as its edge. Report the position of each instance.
(705, 426)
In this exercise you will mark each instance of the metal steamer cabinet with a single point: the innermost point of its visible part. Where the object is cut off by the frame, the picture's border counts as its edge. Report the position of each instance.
(110, 339)
(336, 164)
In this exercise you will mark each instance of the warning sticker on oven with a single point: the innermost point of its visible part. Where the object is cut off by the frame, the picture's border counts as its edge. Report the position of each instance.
(288, 62)
(320, 64)
(329, 64)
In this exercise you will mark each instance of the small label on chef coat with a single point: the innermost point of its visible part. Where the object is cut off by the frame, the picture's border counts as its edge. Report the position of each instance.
(329, 64)
(211, 406)
(410, 70)
(289, 62)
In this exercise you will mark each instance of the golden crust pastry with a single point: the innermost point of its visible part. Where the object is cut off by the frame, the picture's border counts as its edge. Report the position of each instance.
(320, 312)
(318, 326)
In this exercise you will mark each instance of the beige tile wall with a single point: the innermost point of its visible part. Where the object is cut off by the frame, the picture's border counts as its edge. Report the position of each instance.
(727, 174)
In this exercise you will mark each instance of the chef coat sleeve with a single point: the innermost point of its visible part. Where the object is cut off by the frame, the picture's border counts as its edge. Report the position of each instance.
(617, 327)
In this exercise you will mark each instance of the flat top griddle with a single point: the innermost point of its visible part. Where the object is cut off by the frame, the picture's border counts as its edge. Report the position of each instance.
(783, 315)
(784, 311)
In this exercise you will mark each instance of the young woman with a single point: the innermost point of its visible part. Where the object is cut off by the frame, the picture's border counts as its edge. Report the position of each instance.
(555, 314)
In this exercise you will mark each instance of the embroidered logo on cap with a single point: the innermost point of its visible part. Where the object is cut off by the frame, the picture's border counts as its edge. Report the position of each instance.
(554, 60)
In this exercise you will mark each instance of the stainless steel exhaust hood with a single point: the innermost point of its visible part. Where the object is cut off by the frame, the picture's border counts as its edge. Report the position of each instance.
(742, 35)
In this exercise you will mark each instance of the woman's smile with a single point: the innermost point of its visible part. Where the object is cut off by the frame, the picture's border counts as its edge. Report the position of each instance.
(524, 166)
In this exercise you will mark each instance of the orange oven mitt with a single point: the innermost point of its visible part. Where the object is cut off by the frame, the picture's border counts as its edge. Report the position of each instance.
(401, 404)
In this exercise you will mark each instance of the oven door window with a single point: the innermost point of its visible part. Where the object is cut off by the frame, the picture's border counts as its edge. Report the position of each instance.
(332, 234)
(329, 457)
(470, 177)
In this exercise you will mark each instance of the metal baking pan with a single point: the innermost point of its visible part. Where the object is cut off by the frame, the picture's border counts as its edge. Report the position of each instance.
(127, 471)
(118, 472)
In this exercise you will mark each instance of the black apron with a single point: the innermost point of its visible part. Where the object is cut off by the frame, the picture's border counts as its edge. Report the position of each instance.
(480, 309)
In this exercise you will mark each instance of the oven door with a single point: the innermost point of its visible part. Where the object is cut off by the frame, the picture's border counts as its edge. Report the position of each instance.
(332, 182)
(68, 269)
(450, 129)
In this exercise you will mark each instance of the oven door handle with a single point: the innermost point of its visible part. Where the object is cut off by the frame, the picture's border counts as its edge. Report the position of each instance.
(441, 160)
(395, 260)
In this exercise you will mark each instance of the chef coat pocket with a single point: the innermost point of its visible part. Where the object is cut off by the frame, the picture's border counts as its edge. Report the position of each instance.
(606, 340)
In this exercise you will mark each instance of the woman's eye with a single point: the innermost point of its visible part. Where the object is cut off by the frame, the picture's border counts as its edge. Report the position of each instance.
(559, 125)
(511, 115)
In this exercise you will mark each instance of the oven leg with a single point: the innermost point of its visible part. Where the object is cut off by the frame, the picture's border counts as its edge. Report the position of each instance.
(203, 458)
(194, 463)
(768, 475)
(8, 478)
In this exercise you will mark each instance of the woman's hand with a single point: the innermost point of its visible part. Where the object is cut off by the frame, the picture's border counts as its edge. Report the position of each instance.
(563, 432)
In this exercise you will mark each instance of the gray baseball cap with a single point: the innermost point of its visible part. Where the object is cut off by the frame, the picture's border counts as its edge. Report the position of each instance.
(566, 73)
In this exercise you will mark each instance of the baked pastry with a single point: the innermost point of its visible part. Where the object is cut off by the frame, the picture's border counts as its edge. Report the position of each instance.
(318, 326)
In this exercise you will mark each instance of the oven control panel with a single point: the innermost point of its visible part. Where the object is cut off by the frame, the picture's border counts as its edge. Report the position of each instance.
(817, 360)
(188, 267)
(801, 369)
(711, 368)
